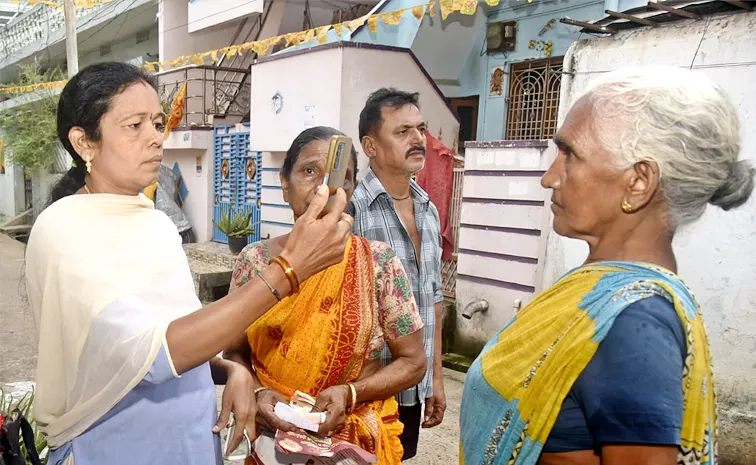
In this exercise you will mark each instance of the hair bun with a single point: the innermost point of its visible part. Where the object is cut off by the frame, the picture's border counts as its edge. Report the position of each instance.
(737, 188)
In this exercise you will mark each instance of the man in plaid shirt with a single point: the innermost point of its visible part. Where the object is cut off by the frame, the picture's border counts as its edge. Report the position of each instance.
(390, 207)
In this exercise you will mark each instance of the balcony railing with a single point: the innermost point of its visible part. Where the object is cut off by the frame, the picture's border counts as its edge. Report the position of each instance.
(212, 92)
(38, 23)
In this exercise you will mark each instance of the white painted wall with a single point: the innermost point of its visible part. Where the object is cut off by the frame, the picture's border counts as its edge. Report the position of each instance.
(11, 189)
(502, 237)
(207, 13)
(716, 255)
(175, 39)
(185, 146)
(126, 48)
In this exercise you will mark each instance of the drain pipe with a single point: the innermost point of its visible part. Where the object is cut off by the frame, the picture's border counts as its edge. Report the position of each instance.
(474, 307)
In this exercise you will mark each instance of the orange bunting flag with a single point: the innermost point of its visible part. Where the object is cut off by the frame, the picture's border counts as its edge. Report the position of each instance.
(432, 9)
(177, 111)
(322, 34)
(338, 28)
(418, 11)
(393, 18)
(373, 24)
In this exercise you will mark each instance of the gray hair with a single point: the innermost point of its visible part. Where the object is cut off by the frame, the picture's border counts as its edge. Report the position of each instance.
(683, 122)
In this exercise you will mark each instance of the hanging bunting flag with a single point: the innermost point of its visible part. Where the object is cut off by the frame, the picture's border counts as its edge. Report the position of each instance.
(197, 59)
(177, 111)
(338, 28)
(373, 24)
(432, 9)
(393, 18)
(418, 11)
(309, 35)
(447, 8)
(355, 23)
(322, 34)
(467, 7)
(492, 2)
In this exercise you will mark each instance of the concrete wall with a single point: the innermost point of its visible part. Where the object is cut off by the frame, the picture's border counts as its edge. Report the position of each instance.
(503, 225)
(187, 147)
(207, 13)
(175, 39)
(11, 189)
(126, 48)
(716, 254)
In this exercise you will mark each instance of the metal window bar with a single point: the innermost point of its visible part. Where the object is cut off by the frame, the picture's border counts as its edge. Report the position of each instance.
(533, 99)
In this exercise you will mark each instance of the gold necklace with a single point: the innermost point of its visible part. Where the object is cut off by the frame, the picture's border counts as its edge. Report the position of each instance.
(86, 189)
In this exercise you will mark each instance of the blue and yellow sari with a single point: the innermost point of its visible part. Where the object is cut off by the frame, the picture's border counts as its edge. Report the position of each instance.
(514, 390)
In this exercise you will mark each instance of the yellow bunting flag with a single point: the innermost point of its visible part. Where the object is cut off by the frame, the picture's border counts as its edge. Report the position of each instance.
(492, 2)
(373, 24)
(197, 59)
(177, 111)
(467, 7)
(432, 9)
(355, 23)
(447, 8)
(322, 34)
(338, 28)
(309, 35)
(393, 18)
(214, 55)
(418, 11)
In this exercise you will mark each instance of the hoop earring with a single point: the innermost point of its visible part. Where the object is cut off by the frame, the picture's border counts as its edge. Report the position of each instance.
(626, 207)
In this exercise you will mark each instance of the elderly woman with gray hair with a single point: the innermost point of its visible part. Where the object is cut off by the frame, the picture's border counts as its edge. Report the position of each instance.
(611, 364)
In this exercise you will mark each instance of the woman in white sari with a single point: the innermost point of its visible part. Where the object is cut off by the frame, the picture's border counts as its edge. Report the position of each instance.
(125, 351)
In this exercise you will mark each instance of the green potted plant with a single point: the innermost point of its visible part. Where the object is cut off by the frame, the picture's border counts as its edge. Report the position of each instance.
(237, 229)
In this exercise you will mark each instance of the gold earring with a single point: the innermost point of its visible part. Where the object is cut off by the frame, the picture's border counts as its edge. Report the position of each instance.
(88, 160)
(626, 207)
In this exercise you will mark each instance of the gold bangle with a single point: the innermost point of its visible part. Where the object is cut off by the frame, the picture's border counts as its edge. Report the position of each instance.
(353, 391)
(289, 272)
(261, 389)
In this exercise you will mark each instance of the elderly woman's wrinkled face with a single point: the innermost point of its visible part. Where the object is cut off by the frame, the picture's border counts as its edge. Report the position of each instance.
(308, 173)
(588, 188)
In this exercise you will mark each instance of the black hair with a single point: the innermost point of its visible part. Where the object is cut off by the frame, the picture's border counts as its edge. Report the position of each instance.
(83, 102)
(370, 116)
(317, 133)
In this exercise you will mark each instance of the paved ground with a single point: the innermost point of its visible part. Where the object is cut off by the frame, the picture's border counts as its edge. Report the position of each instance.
(18, 346)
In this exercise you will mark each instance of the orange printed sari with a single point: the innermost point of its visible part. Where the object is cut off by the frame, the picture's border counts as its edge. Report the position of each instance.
(319, 338)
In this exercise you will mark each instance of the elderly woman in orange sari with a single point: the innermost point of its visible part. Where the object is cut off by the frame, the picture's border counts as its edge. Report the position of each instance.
(326, 340)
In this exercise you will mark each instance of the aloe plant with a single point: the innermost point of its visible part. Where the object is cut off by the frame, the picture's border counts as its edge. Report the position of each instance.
(239, 226)
(8, 404)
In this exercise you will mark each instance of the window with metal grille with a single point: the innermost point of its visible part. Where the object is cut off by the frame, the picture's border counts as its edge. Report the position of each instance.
(533, 99)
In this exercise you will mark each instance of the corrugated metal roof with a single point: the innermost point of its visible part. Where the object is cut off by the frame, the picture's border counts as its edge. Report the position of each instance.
(659, 12)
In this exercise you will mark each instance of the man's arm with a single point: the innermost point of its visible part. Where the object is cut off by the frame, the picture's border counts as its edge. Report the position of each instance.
(436, 406)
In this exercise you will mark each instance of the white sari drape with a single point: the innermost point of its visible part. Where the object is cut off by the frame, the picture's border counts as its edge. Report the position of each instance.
(86, 253)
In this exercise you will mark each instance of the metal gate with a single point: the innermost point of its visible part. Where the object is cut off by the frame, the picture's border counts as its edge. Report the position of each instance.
(533, 100)
(236, 178)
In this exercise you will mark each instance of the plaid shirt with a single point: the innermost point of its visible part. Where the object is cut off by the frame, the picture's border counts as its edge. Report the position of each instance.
(376, 219)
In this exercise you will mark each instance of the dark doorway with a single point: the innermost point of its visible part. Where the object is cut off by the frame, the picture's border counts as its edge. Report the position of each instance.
(466, 109)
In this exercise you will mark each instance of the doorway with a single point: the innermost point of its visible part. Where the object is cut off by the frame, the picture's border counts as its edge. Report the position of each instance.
(466, 109)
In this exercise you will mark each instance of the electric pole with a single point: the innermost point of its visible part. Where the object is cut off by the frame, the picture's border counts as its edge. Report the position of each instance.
(72, 53)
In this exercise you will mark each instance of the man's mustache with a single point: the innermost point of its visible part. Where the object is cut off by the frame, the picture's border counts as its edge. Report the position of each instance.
(419, 148)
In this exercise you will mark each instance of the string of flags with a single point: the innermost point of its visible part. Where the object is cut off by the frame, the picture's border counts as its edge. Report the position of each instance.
(262, 47)
(80, 4)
